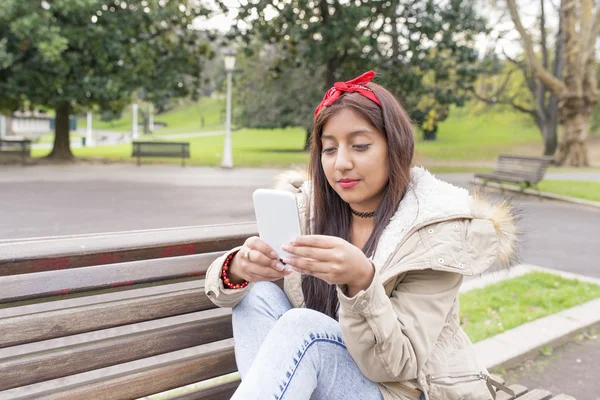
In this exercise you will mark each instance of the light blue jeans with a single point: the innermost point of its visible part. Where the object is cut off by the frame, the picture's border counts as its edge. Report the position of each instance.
(292, 353)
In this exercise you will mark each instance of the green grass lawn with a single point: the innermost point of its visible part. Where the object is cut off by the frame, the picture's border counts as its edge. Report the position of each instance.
(586, 190)
(470, 136)
(580, 189)
(467, 137)
(251, 148)
(185, 118)
(502, 306)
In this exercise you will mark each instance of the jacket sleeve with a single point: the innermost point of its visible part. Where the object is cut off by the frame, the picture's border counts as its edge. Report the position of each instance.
(213, 285)
(391, 338)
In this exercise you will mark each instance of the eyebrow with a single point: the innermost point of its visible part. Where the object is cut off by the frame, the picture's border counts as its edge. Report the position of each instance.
(353, 133)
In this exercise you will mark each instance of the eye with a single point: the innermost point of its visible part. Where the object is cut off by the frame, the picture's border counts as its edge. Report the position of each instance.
(328, 150)
(361, 147)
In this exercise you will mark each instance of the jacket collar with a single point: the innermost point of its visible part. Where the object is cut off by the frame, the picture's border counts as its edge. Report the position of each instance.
(427, 199)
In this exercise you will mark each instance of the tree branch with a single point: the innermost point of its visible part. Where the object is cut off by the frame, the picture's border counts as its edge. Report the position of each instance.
(531, 83)
(510, 102)
(594, 32)
(543, 36)
(541, 73)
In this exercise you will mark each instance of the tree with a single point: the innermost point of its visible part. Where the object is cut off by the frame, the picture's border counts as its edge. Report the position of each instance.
(522, 91)
(271, 94)
(73, 55)
(421, 48)
(577, 91)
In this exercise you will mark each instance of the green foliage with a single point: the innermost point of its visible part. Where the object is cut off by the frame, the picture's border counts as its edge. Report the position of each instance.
(422, 49)
(269, 99)
(95, 53)
(505, 305)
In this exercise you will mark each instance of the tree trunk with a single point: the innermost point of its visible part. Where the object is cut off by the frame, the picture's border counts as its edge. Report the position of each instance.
(145, 121)
(62, 145)
(308, 139)
(575, 121)
(549, 137)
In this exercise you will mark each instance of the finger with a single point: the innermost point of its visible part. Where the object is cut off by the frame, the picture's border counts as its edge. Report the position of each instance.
(256, 257)
(262, 273)
(308, 265)
(261, 246)
(319, 241)
(310, 252)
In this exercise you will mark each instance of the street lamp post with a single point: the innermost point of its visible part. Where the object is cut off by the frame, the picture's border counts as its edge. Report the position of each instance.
(227, 161)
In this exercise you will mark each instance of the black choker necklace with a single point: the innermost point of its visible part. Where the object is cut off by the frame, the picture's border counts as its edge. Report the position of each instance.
(363, 214)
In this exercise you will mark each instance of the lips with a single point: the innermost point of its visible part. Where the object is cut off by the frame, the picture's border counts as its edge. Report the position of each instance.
(348, 183)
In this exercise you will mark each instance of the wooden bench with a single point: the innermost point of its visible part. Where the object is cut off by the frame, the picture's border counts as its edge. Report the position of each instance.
(119, 316)
(19, 148)
(526, 171)
(161, 149)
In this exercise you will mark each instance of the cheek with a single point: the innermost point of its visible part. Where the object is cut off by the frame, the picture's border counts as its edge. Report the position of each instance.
(378, 169)
(328, 164)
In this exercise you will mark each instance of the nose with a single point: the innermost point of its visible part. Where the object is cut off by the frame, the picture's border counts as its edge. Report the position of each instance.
(343, 161)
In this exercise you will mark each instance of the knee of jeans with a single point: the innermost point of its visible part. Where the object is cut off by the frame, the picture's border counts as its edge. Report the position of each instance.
(260, 295)
(302, 321)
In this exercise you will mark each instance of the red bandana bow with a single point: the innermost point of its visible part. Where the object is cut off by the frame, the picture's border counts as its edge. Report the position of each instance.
(354, 85)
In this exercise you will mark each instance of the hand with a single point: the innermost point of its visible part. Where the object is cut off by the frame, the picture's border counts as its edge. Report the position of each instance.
(331, 259)
(262, 263)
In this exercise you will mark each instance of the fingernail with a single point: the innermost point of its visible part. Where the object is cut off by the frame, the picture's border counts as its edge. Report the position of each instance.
(279, 266)
(285, 247)
(273, 254)
(293, 241)
(287, 261)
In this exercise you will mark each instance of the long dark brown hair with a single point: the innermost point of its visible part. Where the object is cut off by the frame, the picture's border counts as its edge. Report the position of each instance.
(328, 213)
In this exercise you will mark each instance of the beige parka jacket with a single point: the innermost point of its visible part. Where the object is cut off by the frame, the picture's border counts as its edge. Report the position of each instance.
(404, 331)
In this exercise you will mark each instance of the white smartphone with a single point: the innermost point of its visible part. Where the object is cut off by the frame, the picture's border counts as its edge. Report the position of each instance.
(277, 218)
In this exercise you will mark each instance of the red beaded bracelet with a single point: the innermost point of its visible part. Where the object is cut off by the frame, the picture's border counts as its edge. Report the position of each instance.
(226, 281)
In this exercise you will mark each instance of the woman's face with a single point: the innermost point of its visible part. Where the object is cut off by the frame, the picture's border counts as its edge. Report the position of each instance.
(354, 158)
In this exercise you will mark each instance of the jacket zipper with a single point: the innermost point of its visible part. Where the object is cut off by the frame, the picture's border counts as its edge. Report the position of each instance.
(460, 378)
(464, 378)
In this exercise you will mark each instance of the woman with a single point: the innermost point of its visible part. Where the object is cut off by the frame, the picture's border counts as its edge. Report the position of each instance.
(370, 306)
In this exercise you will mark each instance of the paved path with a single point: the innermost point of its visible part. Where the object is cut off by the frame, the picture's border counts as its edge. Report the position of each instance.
(571, 369)
(42, 201)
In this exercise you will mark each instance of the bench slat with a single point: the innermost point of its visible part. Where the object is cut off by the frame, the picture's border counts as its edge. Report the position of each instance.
(73, 316)
(563, 397)
(137, 378)
(36, 362)
(502, 177)
(536, 394)
(518, 389)
(42, 284)
(220, 392)
(57, 253)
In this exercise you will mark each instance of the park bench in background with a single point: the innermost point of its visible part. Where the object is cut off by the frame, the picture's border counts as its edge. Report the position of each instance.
(161, 149)
(119, 316)
(526, 171)
(19, 148)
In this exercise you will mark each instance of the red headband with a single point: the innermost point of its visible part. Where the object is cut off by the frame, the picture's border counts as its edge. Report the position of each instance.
(355, 85)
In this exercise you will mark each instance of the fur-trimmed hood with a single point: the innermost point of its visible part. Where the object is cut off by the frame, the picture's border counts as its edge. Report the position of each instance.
(430, 201)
